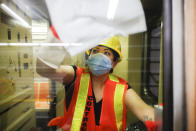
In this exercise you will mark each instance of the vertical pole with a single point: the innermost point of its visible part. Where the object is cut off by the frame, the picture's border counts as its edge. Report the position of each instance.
(167, 67)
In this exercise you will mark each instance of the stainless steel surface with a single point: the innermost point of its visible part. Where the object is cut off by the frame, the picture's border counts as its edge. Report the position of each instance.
(159, 117)
(178, 66)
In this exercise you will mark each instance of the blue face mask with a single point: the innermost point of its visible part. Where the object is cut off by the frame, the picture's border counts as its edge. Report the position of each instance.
(99, 64)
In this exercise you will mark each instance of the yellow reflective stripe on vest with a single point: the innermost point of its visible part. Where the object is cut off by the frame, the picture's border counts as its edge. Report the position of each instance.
(81, 102)
(118, 105)
(113, 78)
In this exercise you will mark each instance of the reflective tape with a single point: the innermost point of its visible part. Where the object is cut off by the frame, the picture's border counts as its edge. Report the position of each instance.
(118, 105)
(113, 78)
(81, 102)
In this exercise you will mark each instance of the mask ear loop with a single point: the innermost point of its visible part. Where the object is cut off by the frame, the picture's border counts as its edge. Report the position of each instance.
(86, 57)
(111, 70)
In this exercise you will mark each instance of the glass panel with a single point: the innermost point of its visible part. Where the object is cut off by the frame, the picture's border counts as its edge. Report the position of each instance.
(34, 88)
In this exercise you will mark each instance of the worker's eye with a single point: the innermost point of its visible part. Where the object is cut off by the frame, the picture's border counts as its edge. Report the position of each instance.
(107, 53)
(94, 51)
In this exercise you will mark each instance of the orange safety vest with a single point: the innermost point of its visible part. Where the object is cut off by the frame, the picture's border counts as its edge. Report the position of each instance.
(80, 115)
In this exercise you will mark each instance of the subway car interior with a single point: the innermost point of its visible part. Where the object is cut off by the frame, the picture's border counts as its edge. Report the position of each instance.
(158, 62)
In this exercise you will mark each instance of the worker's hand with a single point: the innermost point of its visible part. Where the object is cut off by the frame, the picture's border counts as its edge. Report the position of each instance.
(52, 56)
(151, 126)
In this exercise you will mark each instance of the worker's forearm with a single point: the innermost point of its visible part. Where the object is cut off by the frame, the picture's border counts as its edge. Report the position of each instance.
(148, 114)
(145, 113)
(135, 104)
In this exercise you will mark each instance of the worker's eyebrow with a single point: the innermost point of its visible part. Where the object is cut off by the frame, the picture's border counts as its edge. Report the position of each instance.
(96, 48)
(106, 49)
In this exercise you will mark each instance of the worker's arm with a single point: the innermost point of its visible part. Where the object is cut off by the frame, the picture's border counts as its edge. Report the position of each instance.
(49, 65)
(63, 73)
(135, 104)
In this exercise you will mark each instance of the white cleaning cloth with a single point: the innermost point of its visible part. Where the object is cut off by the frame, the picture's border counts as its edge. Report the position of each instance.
(87, 22)
(51, 54)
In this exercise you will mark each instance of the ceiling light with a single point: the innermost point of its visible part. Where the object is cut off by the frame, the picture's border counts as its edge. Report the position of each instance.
(112, 9)
(13, 14)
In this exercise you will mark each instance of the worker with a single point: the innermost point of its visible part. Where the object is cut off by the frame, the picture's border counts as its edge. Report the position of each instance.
(95, 98)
